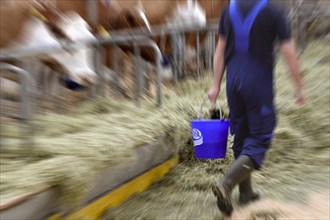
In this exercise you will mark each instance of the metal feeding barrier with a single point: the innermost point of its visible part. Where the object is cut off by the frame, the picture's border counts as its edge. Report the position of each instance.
(137, 42)
(25, 104)
(139, 37)
(114, 41)
(24, 95)
(177, 35)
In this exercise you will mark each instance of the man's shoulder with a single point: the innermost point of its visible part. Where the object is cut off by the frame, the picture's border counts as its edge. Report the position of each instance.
(276, 8)
(272, 7)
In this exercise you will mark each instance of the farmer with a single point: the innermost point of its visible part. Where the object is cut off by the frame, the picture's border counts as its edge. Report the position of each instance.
(248, 30)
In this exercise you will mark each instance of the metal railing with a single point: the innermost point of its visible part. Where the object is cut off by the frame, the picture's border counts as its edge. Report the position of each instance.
(167, 29)
(137, 36)
(24, 94)
(25, 104)
(176, 33)
(114, 41)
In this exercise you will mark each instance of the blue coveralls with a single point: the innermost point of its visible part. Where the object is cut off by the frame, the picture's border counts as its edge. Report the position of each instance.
(250, 92)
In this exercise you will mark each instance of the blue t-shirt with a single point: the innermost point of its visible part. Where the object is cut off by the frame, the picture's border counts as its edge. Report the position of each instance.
(269, 26)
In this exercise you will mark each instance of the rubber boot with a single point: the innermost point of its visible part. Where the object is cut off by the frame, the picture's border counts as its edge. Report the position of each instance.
(246, 193)
(239, 171)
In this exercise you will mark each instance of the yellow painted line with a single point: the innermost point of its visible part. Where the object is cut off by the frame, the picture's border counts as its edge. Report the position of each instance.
(55, 216)
(97, 208)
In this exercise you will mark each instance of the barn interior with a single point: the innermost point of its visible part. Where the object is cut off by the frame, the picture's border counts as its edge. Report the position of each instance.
(120, 147)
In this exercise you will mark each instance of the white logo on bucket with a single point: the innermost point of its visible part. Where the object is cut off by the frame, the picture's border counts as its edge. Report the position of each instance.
(197, 136)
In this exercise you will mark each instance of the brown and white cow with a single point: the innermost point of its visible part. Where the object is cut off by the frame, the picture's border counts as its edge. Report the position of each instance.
(51, 31)
(157, 12)
(184, 14)
(112, 15)
(119, 14)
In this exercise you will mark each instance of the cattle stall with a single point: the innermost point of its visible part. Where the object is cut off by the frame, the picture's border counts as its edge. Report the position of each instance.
(160, 161)
(152, 160)
(177, 64)
(176, 34)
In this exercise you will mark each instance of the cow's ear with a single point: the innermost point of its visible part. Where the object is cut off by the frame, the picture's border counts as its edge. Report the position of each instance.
(45, 6)
(39, 5)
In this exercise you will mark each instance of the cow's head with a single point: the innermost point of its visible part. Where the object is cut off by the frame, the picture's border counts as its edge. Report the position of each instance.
(189, 15)
(54, 29)
(78, 63)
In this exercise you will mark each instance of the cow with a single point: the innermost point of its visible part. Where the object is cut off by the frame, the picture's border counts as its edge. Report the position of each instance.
(157, 13)
(127, 15)
(182, 15)
(51, 29)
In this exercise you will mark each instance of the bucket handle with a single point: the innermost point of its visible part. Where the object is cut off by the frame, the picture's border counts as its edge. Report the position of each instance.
(201, 109)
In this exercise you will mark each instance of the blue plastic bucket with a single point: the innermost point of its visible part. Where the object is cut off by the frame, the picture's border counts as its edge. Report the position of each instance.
(210, 138)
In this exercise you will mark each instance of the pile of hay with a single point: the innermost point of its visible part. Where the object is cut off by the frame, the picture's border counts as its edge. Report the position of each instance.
(297, 165)
(317, 206)
(69, 151)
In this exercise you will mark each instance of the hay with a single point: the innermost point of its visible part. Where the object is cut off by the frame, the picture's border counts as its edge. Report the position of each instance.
(297, 165)
(67, 173)
(317, 207)
(100, 134)
(71, 150)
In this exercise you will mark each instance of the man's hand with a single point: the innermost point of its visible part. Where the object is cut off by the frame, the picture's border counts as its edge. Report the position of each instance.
(291, 58)
(213, 93)
(300, 97)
